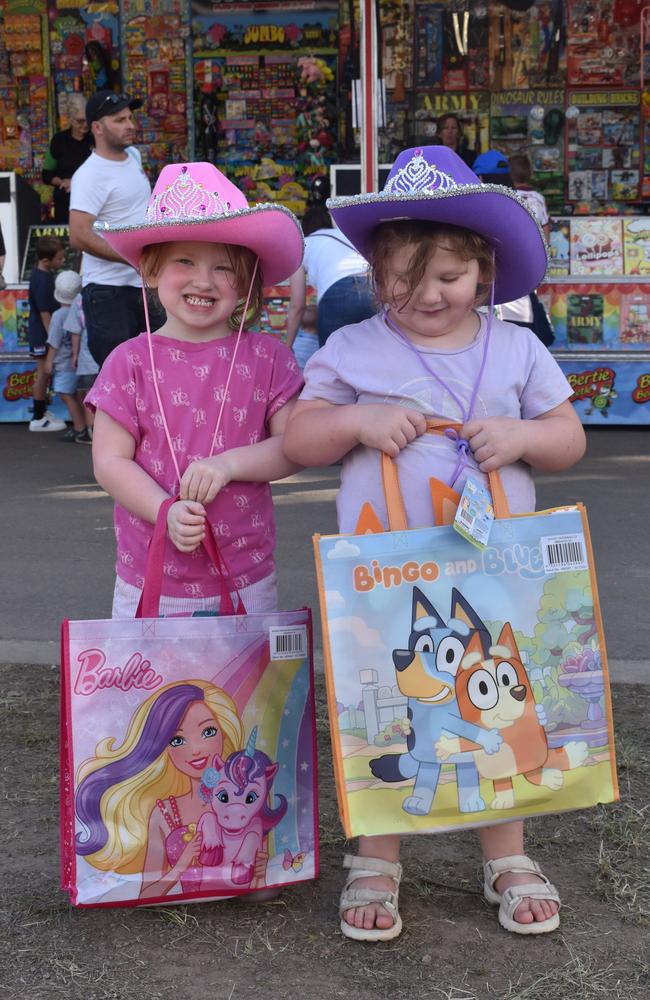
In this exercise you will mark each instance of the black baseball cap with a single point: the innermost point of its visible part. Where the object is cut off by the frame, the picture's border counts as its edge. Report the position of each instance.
(107, 102)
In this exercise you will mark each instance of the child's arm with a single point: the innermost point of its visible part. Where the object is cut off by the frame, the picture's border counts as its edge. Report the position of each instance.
(320, 433)
(134, 489)
(75, 340)
(46, 318)
(298, 286)
(551, 442)
(254, 463)
(49, 359)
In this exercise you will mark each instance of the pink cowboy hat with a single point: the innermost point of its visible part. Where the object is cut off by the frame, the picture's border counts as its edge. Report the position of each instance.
(195, 201)
(432, 183)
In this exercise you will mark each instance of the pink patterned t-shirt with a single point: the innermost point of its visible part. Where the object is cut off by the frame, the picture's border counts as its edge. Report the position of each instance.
(191, 379)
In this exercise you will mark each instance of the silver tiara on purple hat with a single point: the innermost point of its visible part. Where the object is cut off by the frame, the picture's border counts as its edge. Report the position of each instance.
(418, 175)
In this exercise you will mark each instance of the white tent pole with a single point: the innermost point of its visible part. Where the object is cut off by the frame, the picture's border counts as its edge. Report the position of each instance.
(368, 116)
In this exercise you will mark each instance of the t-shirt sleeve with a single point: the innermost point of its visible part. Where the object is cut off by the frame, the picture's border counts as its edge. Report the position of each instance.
(114, 391)
(73, 322)
(86, 194)
(546, 386)
(322, 378)
(56, 331)
(42, 293)
(286, 380)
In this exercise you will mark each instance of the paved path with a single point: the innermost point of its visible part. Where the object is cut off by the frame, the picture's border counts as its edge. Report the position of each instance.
(57, 540)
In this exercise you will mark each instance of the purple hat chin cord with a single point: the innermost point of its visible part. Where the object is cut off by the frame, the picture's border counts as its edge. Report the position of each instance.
(463, 450)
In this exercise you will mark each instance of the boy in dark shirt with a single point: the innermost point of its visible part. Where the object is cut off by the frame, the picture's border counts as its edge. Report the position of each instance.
(50, 256)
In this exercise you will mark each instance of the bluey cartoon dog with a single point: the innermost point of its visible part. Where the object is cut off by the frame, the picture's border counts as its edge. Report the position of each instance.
(495, 692)
(426, 675)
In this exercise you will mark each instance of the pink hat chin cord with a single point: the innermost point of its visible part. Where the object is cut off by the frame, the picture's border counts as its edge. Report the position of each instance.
(227, 386)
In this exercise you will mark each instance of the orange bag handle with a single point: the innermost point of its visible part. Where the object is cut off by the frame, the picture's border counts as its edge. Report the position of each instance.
(393, 494)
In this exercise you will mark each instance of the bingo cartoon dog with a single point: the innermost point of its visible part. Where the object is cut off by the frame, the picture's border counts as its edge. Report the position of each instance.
(495, 692)
(426, 675)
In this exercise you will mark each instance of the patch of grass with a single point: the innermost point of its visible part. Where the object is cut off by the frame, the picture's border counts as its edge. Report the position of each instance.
(582, 978)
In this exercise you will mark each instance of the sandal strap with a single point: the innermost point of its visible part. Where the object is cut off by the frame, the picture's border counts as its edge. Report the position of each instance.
(512, 897)
(351, 898)
(516, 863)
(366, 867)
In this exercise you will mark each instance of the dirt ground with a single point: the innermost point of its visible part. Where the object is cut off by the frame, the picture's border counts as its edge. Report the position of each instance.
(451, 949)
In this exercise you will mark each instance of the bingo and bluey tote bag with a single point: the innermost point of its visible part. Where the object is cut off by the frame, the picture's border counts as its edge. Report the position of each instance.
(188, 764)
(466, 686)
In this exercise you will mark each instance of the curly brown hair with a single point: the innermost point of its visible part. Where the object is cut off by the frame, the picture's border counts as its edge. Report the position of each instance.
(243, 264)
(422, 238)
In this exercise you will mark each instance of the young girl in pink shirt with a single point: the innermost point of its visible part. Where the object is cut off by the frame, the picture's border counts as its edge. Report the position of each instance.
(197, 410)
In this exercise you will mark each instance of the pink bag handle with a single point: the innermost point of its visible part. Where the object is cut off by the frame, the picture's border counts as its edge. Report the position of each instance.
(149, 604)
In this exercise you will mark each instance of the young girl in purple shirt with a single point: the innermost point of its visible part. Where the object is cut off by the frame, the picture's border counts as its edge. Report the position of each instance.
(440, 244)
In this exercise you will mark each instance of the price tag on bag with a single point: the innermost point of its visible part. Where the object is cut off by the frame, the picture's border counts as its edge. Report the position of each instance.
(475, 514)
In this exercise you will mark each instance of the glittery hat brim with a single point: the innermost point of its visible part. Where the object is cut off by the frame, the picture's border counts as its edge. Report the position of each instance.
(270, 231)
(494, 212)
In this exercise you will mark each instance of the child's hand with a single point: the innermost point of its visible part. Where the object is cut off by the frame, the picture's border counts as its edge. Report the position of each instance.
(388, 428)
(186, 525)
(203, 479)
(495, 441)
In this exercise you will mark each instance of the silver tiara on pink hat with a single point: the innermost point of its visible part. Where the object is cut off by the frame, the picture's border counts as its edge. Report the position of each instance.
(184, 198)
(196, 201)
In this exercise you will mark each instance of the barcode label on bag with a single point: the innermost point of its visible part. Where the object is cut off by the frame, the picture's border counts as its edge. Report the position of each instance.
(563, 553)
(288, 643)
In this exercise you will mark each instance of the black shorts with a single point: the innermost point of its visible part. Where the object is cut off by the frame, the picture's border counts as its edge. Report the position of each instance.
(37, 348)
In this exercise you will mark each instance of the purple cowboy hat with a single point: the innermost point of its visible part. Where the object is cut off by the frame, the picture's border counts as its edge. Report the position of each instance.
(432, 183)
(195, 201)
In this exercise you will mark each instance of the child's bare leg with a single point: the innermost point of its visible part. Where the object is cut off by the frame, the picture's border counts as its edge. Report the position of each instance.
(374, 915)
(41, 380)
(75, 410)
(88, 414)
(500, 842)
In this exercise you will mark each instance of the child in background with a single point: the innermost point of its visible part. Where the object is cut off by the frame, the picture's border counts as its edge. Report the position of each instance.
(60, 362)
(197, 410)
(306, 342)
(440, 243)
(84, 364)
(520, 172)
(50, 256)
(527, 310)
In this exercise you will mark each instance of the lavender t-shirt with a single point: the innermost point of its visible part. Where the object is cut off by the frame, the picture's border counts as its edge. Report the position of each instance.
(191, 379)
(369, 363)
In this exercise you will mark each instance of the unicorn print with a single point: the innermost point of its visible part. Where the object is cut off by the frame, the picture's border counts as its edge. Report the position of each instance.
(240, 816)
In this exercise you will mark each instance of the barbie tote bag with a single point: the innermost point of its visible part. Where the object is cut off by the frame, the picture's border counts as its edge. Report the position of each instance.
(188, 765)
(465, 686)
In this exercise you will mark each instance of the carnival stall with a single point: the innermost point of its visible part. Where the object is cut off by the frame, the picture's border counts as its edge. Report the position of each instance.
(268, 92)
(596, 292)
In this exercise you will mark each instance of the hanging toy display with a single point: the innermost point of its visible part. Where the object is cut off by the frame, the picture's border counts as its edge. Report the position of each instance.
(209, 130)
(316, 115)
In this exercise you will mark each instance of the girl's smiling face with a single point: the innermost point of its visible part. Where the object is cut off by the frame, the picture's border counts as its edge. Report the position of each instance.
(196, 741)
(441, 307)
(197, 288)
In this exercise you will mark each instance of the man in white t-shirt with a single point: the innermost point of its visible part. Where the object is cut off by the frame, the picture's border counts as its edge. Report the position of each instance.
(110, 186)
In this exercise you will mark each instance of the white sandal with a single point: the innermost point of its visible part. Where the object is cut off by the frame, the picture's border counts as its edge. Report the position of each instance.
(352, 898)
(509, 900)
